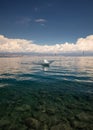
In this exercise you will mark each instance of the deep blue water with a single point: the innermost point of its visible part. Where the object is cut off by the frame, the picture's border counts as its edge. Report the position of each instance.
(63, 91)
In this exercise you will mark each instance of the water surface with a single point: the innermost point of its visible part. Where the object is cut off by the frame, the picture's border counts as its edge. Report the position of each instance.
(59, 97)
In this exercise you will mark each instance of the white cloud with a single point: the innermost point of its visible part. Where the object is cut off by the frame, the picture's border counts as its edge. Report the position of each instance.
(24, 20)
(22, 45)
(40, 20)
(85, 43)
(36, 9)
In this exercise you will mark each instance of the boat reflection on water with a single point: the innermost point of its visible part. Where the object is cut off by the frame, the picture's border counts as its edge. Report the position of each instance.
(45, 68)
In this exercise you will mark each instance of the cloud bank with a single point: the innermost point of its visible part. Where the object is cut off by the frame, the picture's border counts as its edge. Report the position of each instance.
(23, 45)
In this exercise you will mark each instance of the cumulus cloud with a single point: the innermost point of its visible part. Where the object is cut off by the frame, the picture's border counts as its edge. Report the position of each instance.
(85, 44)
(23, 45)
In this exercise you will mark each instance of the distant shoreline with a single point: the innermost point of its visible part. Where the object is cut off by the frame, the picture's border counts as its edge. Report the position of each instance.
(7, 54)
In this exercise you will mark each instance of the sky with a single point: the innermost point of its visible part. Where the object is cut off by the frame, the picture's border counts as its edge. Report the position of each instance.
(46, 24)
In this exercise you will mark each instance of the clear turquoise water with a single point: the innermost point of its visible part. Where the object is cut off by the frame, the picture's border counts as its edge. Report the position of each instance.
(58, 97)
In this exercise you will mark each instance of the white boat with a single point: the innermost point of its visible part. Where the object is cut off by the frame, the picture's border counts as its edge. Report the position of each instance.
(44, 62)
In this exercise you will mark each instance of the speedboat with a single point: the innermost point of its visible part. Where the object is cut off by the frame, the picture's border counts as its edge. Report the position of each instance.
(44, 63)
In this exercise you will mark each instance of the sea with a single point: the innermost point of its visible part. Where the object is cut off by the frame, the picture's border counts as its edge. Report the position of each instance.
(55, 97)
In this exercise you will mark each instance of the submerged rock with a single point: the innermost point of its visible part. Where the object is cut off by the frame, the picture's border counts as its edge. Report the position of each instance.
(32, 123)
(84, 117)
(50, 111)
(79, 125)
(43, 117)
(44, 127)
(24, 107)
(4, 123)
(61, 126)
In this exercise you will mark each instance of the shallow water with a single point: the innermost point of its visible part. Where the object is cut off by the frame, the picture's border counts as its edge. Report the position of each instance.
(59, 97)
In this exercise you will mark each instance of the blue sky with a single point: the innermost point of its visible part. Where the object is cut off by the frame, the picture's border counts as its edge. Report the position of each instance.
(46, 21)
